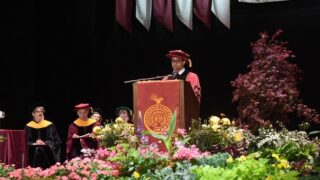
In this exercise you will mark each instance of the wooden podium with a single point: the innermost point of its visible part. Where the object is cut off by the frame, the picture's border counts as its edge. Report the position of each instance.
(156, 101)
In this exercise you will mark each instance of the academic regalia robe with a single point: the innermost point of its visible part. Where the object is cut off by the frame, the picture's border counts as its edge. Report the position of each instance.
(190, 77)
(43, 155)
(80, 127)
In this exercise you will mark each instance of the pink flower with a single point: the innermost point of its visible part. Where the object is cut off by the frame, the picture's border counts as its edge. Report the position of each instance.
(181, 132)
(85, 173)
(184, 153)
(74, 176)
(113, 154)
(102, 153)
(15, 174)
(94, 176)
(119, 147)
(115, 173)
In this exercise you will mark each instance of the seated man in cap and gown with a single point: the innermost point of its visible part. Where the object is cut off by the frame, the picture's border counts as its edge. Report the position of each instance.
(179, 60)
(79, 134)
(43, 140)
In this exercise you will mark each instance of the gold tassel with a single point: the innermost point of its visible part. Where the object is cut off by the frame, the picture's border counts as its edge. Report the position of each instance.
(190, 63)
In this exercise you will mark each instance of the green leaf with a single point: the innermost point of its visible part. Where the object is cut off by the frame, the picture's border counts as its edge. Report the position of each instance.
(172, 124)
(184, 141)
(155, 135)
(314, 132)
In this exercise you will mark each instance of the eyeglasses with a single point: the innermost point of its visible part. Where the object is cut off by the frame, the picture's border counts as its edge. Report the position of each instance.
(176, 61)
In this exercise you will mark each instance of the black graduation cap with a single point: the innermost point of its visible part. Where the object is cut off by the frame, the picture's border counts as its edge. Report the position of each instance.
(96, 111)
(123, 108)
(34, 105)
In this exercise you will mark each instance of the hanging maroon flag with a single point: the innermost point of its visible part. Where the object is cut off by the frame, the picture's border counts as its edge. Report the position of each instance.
(202, 11)
(162, 11)
(124, 13)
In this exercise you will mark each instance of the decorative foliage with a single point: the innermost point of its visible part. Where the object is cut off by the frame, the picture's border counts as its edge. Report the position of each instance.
(293, 146)
(5, 169)
(269, 91)
(167, 137)
(216, 160)
(244, 168)
(75, 169)
(220, 135)
(181, 171)
(116, 133)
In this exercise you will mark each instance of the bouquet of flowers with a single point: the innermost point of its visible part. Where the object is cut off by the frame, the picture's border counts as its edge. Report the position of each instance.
(116, 133)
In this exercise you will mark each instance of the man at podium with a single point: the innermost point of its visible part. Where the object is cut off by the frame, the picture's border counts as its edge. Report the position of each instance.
(179, 60)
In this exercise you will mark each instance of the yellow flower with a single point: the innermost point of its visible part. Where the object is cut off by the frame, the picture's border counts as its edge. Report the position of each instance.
(242, 158)
(308, 166)
(204, 126)
(96, 129)
(230, 159)
(257, 154)
(276, 156)
(225, 121)
(215, 127)
(136, 175)
(283, 164)
(268, 178)
(214, 120)
(116, 126)
(119, 120)
(238, 136)
(107, 128)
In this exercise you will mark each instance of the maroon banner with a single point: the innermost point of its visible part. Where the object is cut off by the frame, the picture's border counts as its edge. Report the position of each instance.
(14, 149)
(203, 12)
(124, 13)
(162, 11)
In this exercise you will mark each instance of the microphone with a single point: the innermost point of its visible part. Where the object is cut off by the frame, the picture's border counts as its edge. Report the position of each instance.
(173, 75)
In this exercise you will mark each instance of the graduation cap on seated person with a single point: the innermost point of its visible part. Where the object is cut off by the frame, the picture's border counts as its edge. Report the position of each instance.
(35, 105)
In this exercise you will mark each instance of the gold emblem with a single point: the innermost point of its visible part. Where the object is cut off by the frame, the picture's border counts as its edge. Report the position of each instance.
(157, 117)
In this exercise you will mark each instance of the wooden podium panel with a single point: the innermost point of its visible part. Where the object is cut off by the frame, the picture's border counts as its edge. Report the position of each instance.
(157, 100)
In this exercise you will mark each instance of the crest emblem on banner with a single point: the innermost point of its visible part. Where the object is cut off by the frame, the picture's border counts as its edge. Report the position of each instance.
(158, 116)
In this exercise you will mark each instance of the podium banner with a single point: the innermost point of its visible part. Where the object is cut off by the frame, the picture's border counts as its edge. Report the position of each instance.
(155, 102)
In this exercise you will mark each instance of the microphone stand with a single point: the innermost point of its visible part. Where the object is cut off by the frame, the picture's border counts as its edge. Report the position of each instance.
(146, 79)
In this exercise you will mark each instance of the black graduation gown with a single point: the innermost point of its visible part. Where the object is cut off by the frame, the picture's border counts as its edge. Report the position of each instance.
(47, 155)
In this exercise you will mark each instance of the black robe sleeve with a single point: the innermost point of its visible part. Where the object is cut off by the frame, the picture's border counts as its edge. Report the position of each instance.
(53, 141)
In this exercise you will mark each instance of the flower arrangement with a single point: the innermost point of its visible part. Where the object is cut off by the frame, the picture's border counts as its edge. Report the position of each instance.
(77, 168)
(220, 135)
(292, 147)
(244, 167)
(5, 169)
(116, 133)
